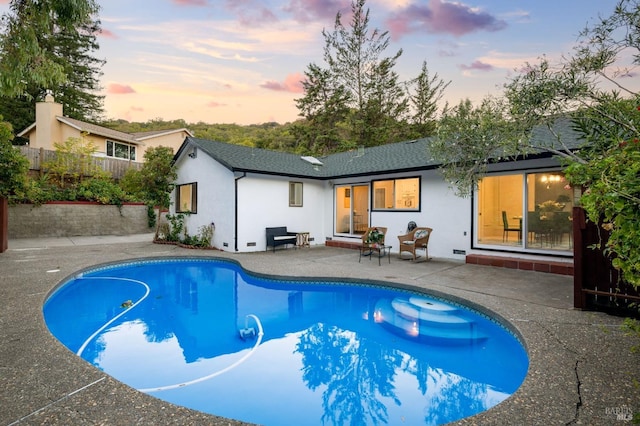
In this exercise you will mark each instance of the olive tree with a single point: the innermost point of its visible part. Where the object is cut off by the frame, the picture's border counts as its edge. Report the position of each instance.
(587, 88)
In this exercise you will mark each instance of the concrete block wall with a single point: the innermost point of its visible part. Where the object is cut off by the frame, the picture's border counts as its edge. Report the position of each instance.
(76, 219)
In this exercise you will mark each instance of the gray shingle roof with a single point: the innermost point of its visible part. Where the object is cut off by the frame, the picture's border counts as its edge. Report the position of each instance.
(391, 158)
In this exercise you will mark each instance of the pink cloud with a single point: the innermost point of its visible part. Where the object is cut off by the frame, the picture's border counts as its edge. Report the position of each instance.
(441, 17)
(119, 89)
(214, 104)
(477, 65)
(108, 34)
(292, 83)
(190, 2)
(311, 10)
(137, 109)
(251, 12)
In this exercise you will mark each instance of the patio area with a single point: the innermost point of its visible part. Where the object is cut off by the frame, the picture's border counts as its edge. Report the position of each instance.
(582, 370)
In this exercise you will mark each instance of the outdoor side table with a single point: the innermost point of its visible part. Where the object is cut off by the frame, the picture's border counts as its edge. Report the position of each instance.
(381, 249)
(302, 239)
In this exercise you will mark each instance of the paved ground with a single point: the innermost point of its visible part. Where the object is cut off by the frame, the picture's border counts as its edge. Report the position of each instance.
(582, 370)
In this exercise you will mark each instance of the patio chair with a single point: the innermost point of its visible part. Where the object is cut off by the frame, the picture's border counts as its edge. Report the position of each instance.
(506, 228)
(418, 239)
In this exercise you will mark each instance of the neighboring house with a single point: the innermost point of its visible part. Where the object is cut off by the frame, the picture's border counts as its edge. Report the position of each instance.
(52, 127)
(244, 190)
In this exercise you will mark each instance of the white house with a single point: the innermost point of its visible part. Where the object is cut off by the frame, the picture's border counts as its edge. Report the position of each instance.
(521, 209)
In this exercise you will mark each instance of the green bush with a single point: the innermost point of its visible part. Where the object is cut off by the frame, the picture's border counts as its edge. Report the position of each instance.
(103, 191)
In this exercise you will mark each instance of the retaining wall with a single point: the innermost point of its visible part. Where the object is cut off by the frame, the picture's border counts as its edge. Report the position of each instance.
(66, 219)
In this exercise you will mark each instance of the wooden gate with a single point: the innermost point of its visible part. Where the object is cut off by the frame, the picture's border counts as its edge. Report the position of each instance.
(596, 284)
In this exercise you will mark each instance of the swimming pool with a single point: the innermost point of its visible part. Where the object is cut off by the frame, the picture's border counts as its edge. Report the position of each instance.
(205, 334)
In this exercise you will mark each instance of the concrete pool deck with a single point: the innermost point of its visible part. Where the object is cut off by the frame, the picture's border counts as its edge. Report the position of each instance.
(582, 370)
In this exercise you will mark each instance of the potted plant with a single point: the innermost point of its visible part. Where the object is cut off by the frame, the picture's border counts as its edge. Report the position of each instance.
(375, 237)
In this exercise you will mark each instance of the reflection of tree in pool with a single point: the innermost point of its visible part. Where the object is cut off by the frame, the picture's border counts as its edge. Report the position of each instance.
(354, 369)
(454, 397)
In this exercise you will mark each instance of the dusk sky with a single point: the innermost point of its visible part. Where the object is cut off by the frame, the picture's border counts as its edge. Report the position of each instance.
(241, 61)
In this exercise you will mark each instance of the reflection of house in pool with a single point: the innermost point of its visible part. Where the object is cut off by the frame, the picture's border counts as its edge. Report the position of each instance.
(318, 315)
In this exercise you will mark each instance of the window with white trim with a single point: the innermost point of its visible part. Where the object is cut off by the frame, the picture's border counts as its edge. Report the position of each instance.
(295, 194)
(121, 150)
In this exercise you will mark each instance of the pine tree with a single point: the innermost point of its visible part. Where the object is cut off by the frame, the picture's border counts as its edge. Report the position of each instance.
(358, 99)
(428, 91)
(48, 45)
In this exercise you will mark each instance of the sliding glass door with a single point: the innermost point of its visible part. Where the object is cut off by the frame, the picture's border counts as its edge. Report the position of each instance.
(351, 209)
(531, 211)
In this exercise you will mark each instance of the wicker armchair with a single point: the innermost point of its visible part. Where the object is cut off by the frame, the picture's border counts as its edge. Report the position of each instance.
(418, 239)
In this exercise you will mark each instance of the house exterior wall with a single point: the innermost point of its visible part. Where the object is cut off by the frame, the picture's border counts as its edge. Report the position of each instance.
(263, 202)
(448, 215)
(215, 198)
(172, 140)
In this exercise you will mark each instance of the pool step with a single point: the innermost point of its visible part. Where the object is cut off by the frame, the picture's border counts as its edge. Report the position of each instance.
(427, 319)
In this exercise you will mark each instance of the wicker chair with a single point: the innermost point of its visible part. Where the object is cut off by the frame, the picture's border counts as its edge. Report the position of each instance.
(418, 239)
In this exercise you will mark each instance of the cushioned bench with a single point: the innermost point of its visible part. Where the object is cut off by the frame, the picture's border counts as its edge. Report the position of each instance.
(279, 236)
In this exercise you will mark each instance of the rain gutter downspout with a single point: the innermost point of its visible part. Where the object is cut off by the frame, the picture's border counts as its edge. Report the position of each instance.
(235, 231)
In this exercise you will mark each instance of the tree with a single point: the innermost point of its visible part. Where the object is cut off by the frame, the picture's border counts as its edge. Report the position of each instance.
(428, 91)
(78, 95)
(25, 57)
(13, 165)
(356, 84)
(468, 137)
(13, 174)
(155, 180)
(324, 106)
(69, 48)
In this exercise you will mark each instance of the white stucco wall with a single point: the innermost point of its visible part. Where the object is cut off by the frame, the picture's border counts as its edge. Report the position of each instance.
(263, 202)
(441, 209)
(215, 198)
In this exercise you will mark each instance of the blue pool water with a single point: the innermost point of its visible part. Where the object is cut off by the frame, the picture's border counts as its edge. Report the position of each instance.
(205, 334)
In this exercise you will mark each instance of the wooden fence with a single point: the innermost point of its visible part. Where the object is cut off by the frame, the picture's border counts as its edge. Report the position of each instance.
(39, 156)
(596, 284)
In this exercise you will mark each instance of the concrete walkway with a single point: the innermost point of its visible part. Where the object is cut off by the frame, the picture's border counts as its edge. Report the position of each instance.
(582, 370)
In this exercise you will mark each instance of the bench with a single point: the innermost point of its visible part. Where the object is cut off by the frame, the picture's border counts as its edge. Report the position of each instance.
(279, 236)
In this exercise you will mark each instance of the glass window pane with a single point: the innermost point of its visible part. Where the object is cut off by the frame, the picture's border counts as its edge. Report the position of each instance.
(133, 153)
(407, 193)
(109, 149)
(121, 151)
(499, 219)
(295, 194)
(549, 210)
(186, 198)
(383, 194)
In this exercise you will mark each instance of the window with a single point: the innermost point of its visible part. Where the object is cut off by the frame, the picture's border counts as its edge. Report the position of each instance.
(396, 194)
(528, 211)
(295, 194)
(121, 150)
(187, 198)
